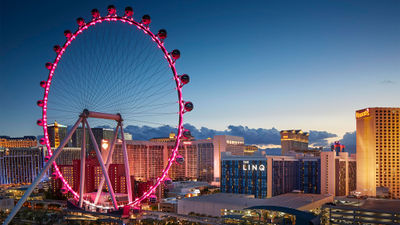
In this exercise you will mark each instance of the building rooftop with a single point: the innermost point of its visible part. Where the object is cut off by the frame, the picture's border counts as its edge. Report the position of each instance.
(289, 200)
(292, 156)
(370, 204)
(190, 184)
(58, 125)
(386, 205)
(18, 138)
(294, 132)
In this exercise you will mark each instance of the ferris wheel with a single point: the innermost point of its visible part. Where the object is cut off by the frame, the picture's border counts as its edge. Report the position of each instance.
(111, 72)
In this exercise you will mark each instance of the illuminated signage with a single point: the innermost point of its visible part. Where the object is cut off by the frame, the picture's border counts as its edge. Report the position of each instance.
(252, 167)
(104, 144)
(362, 114)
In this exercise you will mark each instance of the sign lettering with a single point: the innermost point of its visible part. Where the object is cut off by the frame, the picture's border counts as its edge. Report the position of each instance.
(362, 114)
(248, 167)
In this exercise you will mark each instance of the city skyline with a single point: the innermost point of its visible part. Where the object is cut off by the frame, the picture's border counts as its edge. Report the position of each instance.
(193, 112)
(311, 65)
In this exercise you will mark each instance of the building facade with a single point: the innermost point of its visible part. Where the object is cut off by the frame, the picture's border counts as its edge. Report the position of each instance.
(68, 155)
(20, 165)
(338, 173)
(245, 177)
(100, 134)
(206, 160)
(225, 143)
(359, 211)
(250, 149)
(378, 150)
(293, 140)
(65, 163)
(57, 133)
(94, 175)
(147, 159)
(309, 175)
(18, 142)
(201, 157)
(268, 176)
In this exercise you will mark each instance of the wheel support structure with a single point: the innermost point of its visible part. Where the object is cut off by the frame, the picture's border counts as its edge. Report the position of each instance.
(104, 166)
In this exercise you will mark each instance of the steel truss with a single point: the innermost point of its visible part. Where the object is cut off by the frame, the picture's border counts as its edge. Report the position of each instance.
(104, 166)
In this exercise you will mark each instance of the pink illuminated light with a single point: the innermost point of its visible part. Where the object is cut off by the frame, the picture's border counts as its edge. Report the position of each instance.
(171, 63)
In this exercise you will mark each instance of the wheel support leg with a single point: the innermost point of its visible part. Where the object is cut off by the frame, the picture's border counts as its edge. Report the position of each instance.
(37, 180)
(83, 160)
(108, 162)
(126, 163)
(103, 167)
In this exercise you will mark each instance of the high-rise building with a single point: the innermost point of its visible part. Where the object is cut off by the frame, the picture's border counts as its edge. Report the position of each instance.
(188, 170)
(146, 159)
(293, 141)
(225, 143)
(18, 142)
(170, 138)
(57, 133)
(127, 136)
(206, 160)
(266, 176)
(99, 134)
(65, 163)
(201, 157)
(94, 174)
(378, 150)
(250, 149)
(149, 158)
(68, 173)
(20, 165)
(309, 175)
(338, 173)
(68, 155)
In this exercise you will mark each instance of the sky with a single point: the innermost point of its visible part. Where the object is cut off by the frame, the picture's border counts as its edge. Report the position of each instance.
(262, 64)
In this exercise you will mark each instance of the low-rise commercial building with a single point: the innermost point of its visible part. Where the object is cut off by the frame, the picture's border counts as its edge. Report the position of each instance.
(219, 204)
(358, 211)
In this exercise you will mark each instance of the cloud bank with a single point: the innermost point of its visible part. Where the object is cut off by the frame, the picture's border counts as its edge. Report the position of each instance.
(349, 140)
(257, 136)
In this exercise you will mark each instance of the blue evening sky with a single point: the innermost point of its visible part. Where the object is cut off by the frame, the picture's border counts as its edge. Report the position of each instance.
(286, 64)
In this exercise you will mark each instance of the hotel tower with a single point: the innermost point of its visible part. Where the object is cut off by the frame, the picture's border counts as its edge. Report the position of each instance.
(378, 151)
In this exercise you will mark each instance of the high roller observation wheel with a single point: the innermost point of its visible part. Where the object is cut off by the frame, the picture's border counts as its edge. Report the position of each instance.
(170, 57)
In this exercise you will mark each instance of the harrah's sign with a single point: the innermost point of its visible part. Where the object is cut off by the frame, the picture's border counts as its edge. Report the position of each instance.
(251, 167)
(362, 113)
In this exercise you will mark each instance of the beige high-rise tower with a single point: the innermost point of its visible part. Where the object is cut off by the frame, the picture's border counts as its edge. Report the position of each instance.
(294, 140)
(378, 150)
